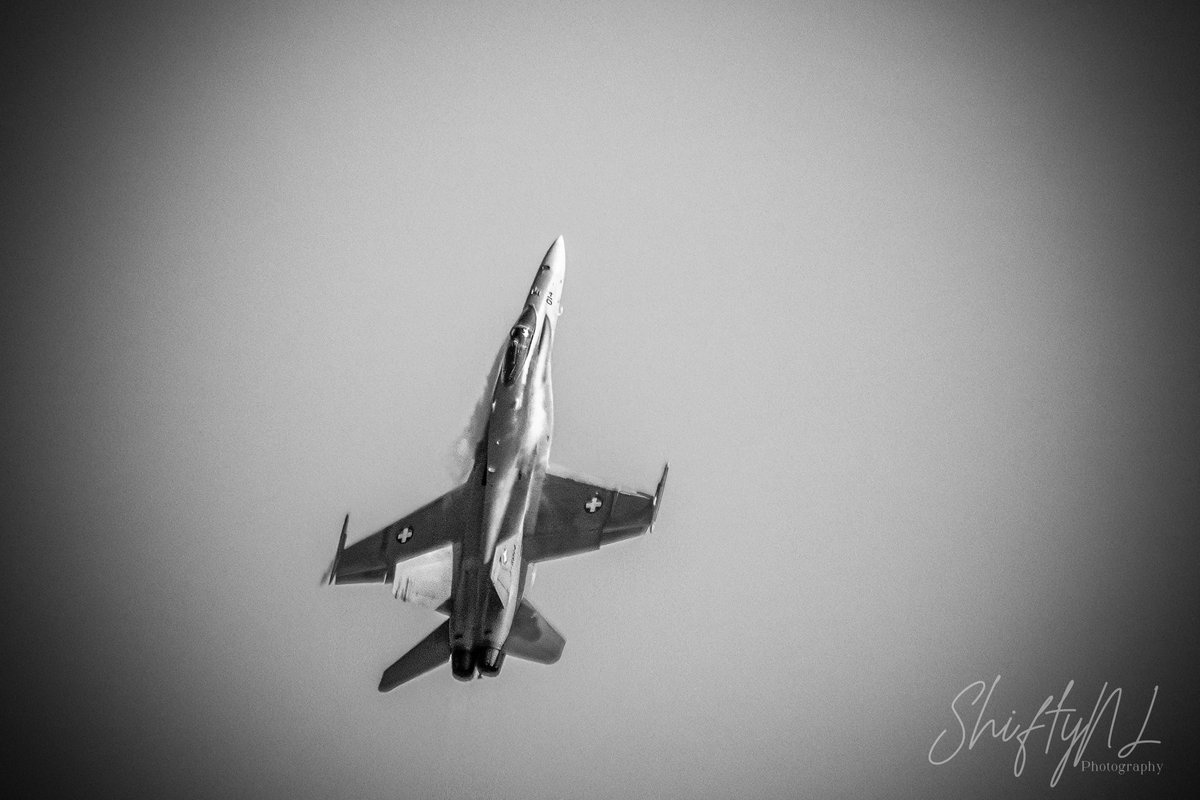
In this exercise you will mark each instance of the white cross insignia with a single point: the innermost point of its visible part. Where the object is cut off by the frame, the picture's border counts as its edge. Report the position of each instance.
(592, 505)
(404, 535)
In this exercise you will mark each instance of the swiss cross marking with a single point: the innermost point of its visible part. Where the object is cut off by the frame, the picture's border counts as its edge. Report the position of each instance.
(404, 535)
(592, 505)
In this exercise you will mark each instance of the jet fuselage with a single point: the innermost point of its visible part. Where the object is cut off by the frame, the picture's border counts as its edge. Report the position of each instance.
(510, 466)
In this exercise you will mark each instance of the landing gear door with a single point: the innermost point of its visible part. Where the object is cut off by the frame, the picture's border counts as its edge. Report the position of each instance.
(505, 569)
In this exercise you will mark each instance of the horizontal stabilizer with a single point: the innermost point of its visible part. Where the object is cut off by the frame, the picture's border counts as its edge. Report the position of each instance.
(532, 637)
(430, 653)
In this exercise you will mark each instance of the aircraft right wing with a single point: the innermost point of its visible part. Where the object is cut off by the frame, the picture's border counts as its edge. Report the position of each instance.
(576, 516)
(430, 528)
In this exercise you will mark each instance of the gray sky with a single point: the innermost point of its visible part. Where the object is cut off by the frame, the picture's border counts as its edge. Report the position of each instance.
(905, 293)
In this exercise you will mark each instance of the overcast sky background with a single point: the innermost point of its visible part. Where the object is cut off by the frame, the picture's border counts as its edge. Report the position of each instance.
(904, 292)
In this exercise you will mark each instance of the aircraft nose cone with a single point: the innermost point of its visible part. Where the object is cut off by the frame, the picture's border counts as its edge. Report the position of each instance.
(556, 256)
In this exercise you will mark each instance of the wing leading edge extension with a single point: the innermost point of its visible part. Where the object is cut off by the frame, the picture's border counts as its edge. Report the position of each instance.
(577, 516)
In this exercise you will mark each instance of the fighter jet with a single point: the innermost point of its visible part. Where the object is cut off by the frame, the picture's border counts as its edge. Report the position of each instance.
(470, 553)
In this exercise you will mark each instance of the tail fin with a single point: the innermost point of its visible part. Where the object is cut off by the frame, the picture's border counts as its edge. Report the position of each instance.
(532, 637)
(430, 653)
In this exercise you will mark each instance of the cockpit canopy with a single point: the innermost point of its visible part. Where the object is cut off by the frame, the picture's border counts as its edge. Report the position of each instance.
(518, 346)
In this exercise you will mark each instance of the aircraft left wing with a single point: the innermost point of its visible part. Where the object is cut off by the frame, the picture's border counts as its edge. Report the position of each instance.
(577, 515)
(373, 559)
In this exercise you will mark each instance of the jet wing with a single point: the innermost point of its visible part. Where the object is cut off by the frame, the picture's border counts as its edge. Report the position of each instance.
(430, 528)
(577, 515)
